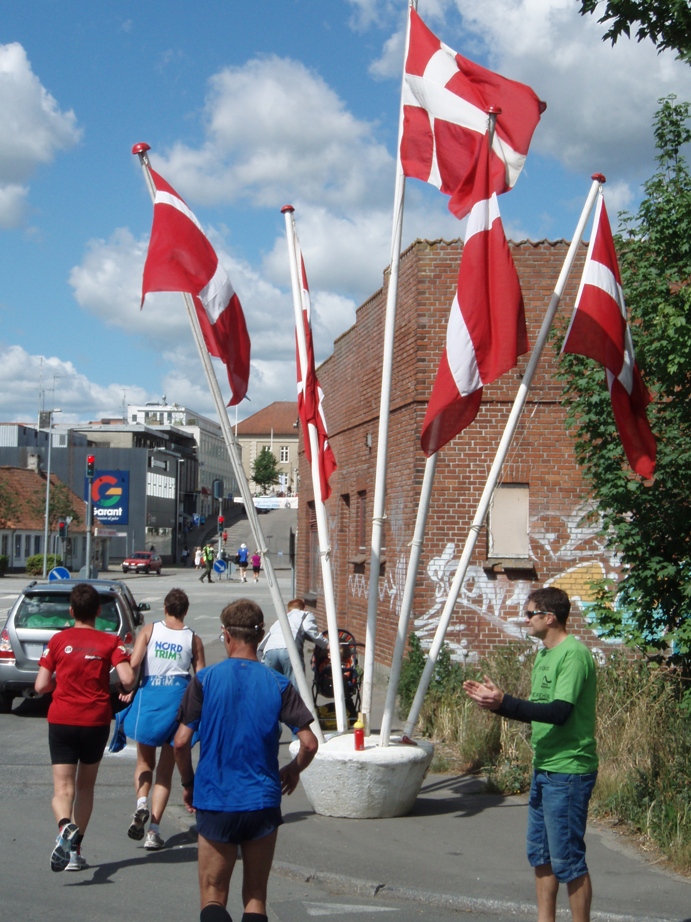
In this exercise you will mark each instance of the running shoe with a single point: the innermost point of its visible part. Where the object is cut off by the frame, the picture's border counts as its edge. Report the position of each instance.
(61, 853)
(77, 860)
(140, 818)
(153, 841)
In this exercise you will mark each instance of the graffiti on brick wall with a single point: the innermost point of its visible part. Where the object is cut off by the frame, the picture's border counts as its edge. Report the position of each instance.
(571, 540)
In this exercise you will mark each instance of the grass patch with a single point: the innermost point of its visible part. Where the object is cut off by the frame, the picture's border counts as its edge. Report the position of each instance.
(643, 733)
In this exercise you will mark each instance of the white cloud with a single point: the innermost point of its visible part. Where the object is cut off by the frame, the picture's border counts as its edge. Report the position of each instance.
(33, 130)
(78, 397)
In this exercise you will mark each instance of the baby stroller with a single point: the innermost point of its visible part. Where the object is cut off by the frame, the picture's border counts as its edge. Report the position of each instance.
(322, 683)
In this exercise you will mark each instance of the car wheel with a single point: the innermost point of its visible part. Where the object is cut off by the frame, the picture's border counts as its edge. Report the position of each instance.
(6, 699)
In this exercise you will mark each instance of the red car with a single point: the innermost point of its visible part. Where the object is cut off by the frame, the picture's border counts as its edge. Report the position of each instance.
(143, 562)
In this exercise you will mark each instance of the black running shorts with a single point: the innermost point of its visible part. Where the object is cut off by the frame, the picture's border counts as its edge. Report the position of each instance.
(70, 745)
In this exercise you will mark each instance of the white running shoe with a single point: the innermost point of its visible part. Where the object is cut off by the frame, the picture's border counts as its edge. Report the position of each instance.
(140, 818)
(153, 841)
(77, 861)
(60, 857)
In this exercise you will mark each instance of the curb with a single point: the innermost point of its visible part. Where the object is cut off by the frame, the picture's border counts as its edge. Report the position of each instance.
(342, 884)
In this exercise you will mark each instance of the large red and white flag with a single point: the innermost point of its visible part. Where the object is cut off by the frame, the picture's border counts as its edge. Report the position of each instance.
(446, 99)
(180, 258)
(486, 331)
(599, 330)
(310, 394)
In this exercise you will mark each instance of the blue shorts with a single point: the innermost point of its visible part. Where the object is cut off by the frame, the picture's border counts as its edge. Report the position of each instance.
(236, 828)
(557, 815)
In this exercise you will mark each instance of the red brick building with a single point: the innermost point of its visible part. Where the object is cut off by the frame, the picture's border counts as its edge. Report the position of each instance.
(538, 530)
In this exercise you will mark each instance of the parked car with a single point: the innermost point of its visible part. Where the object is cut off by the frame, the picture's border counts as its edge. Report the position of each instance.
(143, 562)
(42, 609)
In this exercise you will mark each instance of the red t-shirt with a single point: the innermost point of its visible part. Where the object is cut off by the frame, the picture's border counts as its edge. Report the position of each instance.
(81, 659)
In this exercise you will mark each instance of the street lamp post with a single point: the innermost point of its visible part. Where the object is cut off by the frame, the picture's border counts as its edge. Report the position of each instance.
(177, 509)
(46, 526)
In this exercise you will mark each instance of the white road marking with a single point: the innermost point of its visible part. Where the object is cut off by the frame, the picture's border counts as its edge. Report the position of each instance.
(343, 909)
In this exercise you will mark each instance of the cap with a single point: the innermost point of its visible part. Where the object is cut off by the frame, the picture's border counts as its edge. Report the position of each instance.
(243, 545)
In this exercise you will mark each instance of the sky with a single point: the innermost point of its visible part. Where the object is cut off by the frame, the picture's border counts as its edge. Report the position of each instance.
(248, 107)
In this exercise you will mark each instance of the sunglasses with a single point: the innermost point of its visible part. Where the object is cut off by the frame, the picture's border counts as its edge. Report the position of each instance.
(530, 614)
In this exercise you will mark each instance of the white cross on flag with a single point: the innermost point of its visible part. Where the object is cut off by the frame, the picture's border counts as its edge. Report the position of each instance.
(446, 100)
(486, 330)
(599, 330)
(180, 258)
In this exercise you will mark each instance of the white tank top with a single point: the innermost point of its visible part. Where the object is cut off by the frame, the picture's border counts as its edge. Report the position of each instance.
(168, 652)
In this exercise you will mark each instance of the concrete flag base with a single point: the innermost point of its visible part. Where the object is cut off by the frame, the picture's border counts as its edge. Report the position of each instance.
(376, 782)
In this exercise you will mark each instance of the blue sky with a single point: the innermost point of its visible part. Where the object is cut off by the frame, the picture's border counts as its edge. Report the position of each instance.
(247, 107)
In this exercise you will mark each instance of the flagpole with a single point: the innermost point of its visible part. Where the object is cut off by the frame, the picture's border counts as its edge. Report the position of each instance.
(378, 506)
(319, 508)
(142, 152)
(499, 459)
(408, 594)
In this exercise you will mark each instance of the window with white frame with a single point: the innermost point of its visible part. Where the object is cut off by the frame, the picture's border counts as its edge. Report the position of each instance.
(285, 453)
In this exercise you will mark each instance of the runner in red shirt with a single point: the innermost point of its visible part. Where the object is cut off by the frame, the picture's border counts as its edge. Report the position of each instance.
(75, 667)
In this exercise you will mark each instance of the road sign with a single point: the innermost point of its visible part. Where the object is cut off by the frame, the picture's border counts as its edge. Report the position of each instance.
(220, 566)
(59, 573)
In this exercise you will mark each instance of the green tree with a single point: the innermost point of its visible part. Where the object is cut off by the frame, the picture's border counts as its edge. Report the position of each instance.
(265, 469)
(61, 505)
(666, 22)
(9, 508)
(647, 524)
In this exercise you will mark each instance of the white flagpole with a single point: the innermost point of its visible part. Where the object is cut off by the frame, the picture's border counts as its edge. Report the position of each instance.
(320, 510)
(407, 601)
(378, 506)
(298, 667)
(499, 459)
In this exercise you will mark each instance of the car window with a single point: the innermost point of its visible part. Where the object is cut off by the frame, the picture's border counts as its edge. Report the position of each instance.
(48, 611)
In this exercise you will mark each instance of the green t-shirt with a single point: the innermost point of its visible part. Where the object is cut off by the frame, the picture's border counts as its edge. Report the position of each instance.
(565, 673)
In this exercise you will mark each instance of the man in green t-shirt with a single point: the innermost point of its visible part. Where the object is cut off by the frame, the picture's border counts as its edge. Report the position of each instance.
(208, 560)
(561, 711)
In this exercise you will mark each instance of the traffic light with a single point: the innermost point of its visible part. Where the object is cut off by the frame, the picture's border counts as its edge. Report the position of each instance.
(221, 520)
(90, 465)
(62, 529)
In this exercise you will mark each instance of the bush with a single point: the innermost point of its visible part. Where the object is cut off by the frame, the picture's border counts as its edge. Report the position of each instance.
(4, 563)
(34, 565)
(643, 734)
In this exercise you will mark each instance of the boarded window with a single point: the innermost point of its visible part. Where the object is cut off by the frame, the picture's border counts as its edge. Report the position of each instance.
(508, 521)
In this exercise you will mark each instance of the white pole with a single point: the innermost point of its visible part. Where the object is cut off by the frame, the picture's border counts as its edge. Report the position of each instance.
(500, 456)
(407, 601)
(298, 666)
(378, 506)
(46, 530)
(319, 508)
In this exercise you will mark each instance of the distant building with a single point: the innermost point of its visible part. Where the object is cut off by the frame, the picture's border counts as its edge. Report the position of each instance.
(542, 527)
(22, 518)
(274, 427)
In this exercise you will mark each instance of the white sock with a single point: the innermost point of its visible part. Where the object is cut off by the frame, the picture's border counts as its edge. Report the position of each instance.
(142, 802)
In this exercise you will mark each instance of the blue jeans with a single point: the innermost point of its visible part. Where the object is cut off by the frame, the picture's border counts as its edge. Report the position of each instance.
(279, 661)
(557, 815)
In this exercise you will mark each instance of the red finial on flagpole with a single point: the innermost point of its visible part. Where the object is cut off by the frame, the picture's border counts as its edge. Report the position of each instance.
(598, 177)
(141, 148)
(287, 208)
(494, 110)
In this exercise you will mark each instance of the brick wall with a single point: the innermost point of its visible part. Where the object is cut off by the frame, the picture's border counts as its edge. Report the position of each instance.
(564, 548)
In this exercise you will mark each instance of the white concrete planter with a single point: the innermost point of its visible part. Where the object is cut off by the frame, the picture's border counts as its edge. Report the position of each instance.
(373, 783)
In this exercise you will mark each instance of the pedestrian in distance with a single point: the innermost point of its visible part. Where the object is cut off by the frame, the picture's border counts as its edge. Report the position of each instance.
(303, 626)
(256, 564)
(243, 557)
(197, 558)
(208, 558)
(164, 653)
(75, 666)
(237, 789)
(561, 710)
(185, 556)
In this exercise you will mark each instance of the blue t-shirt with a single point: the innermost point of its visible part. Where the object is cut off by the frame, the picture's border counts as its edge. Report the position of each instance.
(243, 555)
(237, 706)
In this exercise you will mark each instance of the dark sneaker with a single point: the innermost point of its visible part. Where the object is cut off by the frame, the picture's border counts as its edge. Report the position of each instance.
(140, 818)
(61, 853)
